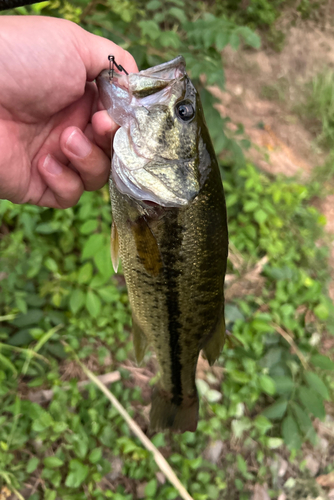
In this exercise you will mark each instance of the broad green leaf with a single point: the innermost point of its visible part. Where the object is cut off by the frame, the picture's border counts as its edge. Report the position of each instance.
(32, 464)
(239, 376)
(95, 455)
(315, 382)
(321, 311)
(150, 28)
(267, 384)
(89, 226)
(249, 36)
(312, 402)
(234, 40)
(109, 293)
(151, 488)
(323, 362)
(170, 39)
(32, 317)
(53, 462)
(260, 216)
(304, 421)
(51, 264)
(276, 410)
(262, 424)
(102, 260)
(290, 433)
(154, 5)
(47, 227)
(85, 273)
(77, 300)
(251, 205)
(222, 40)
(80, 446)
(284, 385)
(92, 245)
(178, 14)
(22, 337)
(262, 326)
(77, 475)
(242, 466)
(93, 304)
(49, 494)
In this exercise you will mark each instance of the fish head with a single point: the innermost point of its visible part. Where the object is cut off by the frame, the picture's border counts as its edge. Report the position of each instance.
(159, 152)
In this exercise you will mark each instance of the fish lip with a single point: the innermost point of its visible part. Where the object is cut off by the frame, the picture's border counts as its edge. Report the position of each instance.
(174, 63)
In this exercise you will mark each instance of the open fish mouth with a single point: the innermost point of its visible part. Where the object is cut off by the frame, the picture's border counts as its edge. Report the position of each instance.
(152, 161)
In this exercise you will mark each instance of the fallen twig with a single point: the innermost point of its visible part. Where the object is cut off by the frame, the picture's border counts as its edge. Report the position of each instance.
(159, 459)
(46, 395)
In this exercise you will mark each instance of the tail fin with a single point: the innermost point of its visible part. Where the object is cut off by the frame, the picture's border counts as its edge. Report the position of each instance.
(167, 415)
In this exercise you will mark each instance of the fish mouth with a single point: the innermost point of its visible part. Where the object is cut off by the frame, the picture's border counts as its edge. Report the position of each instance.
(139, 85)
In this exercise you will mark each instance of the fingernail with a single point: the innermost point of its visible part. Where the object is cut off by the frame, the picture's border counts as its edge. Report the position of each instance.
(78, 144)
(52, 166)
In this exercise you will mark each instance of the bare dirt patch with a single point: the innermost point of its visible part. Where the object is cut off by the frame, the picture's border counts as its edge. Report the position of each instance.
(262, 92)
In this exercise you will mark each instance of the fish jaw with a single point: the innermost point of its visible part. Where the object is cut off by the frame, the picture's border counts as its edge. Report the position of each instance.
(168, 184)
(156, 155)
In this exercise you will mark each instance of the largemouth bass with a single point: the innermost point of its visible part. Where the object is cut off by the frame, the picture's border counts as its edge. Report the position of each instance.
(169, 229)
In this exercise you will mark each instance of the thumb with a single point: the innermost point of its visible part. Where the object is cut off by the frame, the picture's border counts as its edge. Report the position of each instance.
(94, 51)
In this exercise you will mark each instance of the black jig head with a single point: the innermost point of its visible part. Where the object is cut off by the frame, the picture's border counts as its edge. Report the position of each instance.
(112, 64)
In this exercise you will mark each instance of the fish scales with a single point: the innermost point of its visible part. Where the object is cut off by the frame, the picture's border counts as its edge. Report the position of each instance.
(173, 248)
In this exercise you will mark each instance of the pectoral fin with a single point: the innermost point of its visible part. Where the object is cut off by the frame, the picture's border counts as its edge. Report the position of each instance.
(139, 341)
(114, 247)
(147, 247)
(215, 343)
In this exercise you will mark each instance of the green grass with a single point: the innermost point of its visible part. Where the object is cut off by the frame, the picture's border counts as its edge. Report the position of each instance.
(263, 396)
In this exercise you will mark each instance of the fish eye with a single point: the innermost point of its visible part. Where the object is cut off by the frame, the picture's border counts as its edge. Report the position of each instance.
(185, 111)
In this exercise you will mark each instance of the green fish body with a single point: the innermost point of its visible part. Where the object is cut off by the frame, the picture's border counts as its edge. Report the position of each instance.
(169, 229)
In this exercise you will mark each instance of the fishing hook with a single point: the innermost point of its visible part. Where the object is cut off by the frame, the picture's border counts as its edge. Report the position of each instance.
(112, 64)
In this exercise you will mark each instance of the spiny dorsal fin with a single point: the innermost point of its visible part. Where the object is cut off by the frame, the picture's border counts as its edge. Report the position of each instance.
(139, 341)
(114, 247)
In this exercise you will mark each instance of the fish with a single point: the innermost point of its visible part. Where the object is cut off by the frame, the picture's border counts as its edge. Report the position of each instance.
(169, 229)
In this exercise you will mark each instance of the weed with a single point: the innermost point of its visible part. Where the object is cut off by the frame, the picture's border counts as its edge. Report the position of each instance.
(318, 107)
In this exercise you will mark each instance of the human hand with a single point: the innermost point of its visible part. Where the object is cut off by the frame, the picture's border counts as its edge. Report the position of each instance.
(51, 147)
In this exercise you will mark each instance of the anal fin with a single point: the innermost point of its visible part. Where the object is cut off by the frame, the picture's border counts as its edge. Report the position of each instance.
(114, 247)
(215, 342)
(139, 341)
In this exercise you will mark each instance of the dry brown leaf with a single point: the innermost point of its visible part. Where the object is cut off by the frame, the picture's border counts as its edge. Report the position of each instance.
(260, 492)
(326, 480)
(5, 493)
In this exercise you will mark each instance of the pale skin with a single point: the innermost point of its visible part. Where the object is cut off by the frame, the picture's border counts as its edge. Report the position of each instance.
(55, 138)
